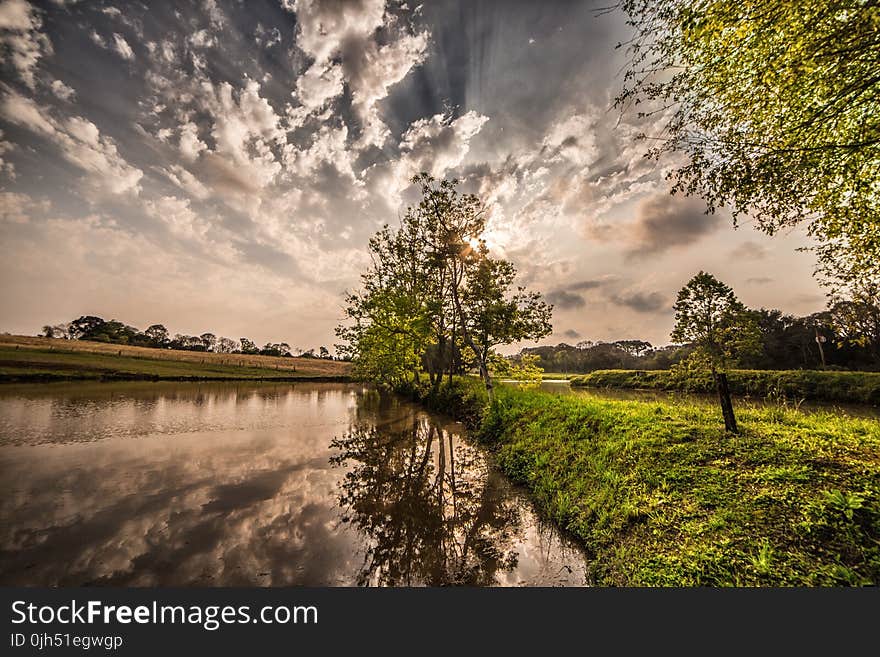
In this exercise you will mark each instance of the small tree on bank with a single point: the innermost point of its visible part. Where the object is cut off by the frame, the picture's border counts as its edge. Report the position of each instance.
(710, 317)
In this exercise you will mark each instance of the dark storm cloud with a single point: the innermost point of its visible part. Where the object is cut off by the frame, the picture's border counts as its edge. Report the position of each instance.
(641, 302)
(571, 333)
(565, 299)
(664, 222)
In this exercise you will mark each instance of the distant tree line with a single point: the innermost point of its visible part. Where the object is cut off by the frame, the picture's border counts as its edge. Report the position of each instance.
(846, 336)
(97, 329)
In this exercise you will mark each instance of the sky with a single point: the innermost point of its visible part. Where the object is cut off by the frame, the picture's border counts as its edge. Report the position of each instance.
(220, 166)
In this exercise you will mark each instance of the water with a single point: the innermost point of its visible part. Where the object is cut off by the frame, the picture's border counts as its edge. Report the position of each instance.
(169, 484)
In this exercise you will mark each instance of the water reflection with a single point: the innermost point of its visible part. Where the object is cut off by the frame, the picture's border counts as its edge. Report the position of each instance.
(258, 485)
(433, 512)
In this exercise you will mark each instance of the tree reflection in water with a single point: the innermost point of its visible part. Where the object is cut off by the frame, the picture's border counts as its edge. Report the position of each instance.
(432, 510)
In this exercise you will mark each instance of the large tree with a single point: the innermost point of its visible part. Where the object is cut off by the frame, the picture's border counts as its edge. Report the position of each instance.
(710, 317)
(775, 103)
(433, 292)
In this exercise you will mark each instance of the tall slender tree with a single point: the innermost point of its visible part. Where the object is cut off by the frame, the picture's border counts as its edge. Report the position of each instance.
(710, 317)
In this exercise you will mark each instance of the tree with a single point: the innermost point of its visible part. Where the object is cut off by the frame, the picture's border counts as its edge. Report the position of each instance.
(432, 290)
(56, 331)
(84, 326)
(324, 352)
(158, 335)
(248, 347)
(227, 346)
(709, 316)
(491, 315)
(776, 106)
(209, 340)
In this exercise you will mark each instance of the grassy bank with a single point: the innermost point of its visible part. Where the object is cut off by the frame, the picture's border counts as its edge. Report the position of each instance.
(40, 359)
(848, 387)
(659, 495)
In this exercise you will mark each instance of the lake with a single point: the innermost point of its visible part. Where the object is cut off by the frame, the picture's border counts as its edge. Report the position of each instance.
(185, 484)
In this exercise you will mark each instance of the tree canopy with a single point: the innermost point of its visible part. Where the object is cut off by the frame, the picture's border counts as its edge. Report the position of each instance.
(433, 299)
(776, 104)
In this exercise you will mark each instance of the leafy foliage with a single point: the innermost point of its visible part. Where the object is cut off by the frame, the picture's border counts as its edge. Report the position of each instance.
(710, 317)
(776, 105)
(433, 299)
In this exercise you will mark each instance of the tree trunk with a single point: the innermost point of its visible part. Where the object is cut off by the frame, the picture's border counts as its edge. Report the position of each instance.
(484, 370)
(726, 403)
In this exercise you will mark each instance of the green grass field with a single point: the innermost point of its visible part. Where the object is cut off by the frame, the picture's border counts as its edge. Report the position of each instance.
(660, 495)
(57, 360)
(849, 387)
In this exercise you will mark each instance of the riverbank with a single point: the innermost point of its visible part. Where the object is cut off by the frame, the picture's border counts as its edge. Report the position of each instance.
(41, 360)
(660, 495)
(817, 385)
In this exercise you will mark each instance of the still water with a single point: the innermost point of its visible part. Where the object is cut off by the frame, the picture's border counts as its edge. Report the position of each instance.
(170, 484)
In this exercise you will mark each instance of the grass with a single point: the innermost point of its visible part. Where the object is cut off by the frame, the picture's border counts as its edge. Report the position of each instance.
(849, 387)
(25, 359)
(660, 495)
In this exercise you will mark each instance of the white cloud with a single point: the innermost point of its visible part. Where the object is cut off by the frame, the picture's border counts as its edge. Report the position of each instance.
(97, 39)
(18, 208)
(177, 215)
(325, 24)
(372, 70)
(188, 182)
(438, 144)
(190, 144)
(21, 39)
(6, 167)
(63, 91)
(341, 40)
(121, 46)
(319, 84)
(328, 147)
(201, 39)
(80, 142)
(573, 140)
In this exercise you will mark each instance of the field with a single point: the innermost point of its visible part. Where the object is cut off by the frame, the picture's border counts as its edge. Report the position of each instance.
(660, 495)
(849, 387)
(25, 359)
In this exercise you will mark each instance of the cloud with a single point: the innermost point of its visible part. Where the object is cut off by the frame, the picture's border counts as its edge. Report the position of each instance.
(572, 139)
(62, 90)
(18, 208)
(641, 302)
(565, 300)
(571, 333)
(748, 251)
(663, 222)
(21, 38)
(190, 145)
(341, 39)
(187, 182)
(437, 144)
(120, 45)
(590, 284)
(759, 280)
(7, 168)
(80, 141)
(319, 84)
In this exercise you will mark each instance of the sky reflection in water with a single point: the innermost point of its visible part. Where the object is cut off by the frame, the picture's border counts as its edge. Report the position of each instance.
(256, 485)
